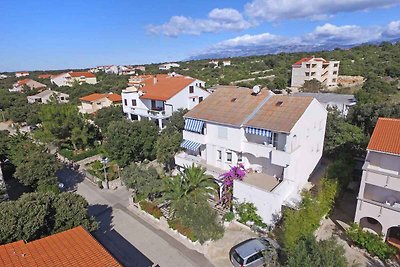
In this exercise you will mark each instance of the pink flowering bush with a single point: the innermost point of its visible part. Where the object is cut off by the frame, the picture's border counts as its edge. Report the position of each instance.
(235, 173)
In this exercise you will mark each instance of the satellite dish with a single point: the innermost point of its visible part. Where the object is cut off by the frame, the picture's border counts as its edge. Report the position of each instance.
(256, 89)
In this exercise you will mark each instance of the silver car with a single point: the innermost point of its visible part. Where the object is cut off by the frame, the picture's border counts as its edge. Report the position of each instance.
(252, 252)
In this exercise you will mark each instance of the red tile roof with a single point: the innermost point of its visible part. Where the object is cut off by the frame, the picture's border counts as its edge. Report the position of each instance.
(94, 97)
(74, 247)
(165, 87)
(82, 73)
(306, 59)
(386, 136)
(22, 82)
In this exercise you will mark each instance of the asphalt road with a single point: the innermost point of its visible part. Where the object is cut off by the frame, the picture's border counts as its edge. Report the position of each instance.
(131, 240)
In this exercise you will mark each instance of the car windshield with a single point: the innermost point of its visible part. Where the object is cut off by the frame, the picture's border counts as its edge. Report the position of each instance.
(237, 257)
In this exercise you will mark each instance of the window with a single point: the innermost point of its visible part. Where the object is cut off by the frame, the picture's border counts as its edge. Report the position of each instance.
(134, 102)
(335, 65)
(307, 74)
(307, 65)
(222, 132)
(255, 257)
(219, 154)
(191, 89)
(335, 72)
(193, 99)
(240, 157)
(200, 99)
(229, 156)
(334, 80)
(125, 102)
(313, 65)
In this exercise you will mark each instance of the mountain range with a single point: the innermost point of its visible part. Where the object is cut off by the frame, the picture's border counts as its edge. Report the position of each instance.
(243, 51)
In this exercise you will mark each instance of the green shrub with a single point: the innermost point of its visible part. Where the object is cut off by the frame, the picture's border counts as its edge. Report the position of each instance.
(151, 209)
(248, 212)
(305, 220)
(69, 154)
(228, 217)
(371, 242)
(183, 230)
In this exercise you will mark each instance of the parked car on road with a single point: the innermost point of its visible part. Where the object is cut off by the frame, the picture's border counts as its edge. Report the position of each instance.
(254, 252)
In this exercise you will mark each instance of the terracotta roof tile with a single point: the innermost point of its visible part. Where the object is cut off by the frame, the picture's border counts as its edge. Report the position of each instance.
(82, 73)
(237, 106)
(96, 96)
(165, 87)
(280, 113)
(228, 105)
(386, 136)
(75, 247)
(44, 76)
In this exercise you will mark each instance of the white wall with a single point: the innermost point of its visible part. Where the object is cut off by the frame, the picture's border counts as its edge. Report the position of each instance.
(183, 100)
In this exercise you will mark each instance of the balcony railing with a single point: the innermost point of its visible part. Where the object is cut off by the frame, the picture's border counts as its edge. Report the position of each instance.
(158, 114)
(381, 177)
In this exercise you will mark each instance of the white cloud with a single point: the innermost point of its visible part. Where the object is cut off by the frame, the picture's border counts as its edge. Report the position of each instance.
(272, 10)
(327, 34)
(254, 40)
(219, 19)
(346, 34)
(392, 29)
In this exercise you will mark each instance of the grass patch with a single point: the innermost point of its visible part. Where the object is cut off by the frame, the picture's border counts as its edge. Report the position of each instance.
(78, 155)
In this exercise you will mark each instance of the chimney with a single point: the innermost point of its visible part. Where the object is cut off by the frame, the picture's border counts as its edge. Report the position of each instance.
(154, 79)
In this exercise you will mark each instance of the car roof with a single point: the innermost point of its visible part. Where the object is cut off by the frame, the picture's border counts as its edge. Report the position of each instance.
(249, 248)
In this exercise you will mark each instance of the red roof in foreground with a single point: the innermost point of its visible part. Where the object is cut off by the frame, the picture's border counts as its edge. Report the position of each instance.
(94, 97)
(386, 136)
(82, 73)
(75, 247)
(24, 81)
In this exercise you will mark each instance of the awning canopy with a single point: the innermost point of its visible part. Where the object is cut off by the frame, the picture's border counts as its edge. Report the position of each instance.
(194, 146)
(257, 131)
(194, 125)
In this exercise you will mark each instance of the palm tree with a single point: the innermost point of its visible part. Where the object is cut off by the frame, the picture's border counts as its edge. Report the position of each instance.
(193, 184)
(198, 184)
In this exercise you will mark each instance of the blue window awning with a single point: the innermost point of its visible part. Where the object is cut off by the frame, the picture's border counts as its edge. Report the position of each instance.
(258, 131)
(194, 125)
(194, 146)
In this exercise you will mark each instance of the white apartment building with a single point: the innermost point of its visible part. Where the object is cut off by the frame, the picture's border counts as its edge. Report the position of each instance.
(378, 204)
(168, 66)
(157, 97)
(69, 78)
(306, 69)
(278, 138)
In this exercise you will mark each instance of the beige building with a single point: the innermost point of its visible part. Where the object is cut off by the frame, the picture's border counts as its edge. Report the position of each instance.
(378, 205)
(26, 83)
(94, 102)
(69, 78)
(306, 69)
(48, 95)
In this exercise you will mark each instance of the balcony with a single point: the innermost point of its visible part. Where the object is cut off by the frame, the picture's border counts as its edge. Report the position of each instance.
(385, 214)
(256, 149)
(196, 137)
(280, 158)
(380, 177)
(262, 181)
(155, 114)
(183, 159)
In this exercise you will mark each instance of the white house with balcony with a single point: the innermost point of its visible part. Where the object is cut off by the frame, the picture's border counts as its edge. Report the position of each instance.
(159, 96)
(322, 70)
(278, 138)
(378, 204)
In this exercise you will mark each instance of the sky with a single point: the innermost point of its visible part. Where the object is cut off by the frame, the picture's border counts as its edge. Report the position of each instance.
(46, 35)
